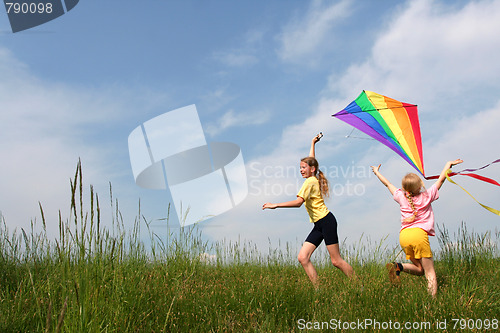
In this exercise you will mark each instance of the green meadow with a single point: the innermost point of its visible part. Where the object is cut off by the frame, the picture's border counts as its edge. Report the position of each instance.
(96, 279)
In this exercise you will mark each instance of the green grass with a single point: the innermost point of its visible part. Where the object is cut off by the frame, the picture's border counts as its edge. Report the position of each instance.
(91, 279)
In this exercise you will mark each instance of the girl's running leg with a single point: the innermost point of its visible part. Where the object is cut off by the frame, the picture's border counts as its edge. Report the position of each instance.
(305, 260)
(430, 275)
(415, 268)
(337, 260)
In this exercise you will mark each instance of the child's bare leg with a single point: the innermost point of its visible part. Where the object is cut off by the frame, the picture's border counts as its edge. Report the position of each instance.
(430, 275)
(304, 258)
(337, 260)
(414, 268)
(424, 266)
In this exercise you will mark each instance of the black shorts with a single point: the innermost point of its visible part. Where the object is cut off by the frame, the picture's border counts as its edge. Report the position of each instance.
(325, 228)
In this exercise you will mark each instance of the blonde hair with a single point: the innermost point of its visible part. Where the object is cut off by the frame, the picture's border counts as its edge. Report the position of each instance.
(324, 187)
(412, 184)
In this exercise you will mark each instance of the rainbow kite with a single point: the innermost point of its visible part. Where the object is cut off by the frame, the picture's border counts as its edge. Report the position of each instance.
(393, 123)
(396, 125)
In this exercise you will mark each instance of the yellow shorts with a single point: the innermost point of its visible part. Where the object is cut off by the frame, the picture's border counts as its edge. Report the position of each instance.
(415, 243)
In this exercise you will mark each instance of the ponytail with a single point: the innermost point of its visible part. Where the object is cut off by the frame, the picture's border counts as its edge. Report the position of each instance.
(414, 215)
(324, 188)
(412, 185)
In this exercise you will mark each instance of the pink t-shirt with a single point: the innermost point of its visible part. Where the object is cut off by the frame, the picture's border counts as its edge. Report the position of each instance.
(422, 203)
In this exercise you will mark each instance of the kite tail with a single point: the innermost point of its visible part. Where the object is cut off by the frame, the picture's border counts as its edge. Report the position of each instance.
(468, 172)
(493, 210)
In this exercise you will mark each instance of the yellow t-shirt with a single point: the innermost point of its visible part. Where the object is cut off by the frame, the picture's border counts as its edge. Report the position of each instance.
(313, 199)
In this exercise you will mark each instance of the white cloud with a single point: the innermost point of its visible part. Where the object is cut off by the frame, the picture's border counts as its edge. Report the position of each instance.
(232, 119)
(303, 38)
(216, 99)
(244, 55)
(430, 49)
(236, 58)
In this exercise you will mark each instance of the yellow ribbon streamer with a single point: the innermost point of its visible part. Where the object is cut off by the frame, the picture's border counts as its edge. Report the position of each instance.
(493, 210)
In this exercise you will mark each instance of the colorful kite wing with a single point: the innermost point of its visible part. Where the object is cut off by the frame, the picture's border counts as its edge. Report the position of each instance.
(391, 122)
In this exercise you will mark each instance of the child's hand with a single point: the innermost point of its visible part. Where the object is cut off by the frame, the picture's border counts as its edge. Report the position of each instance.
(375, 168)
(455, 162)
(317, 137)
(269, 206)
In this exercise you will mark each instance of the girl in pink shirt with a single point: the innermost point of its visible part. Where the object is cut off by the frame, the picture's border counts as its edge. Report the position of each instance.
(417, 223)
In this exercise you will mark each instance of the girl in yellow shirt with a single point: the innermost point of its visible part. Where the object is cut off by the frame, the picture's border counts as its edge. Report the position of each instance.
(325, 225)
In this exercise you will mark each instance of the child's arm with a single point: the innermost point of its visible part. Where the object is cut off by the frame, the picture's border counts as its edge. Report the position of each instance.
(294, 203)
(314, 140)
(442, 176)
(384, 181)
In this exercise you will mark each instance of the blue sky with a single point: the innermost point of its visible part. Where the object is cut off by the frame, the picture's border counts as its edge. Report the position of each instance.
(266, 75)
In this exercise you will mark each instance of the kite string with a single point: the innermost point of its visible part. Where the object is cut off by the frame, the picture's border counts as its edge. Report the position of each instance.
(349, 135)
(356, 137)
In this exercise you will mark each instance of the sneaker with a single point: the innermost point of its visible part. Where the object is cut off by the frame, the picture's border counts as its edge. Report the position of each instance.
(394, 272)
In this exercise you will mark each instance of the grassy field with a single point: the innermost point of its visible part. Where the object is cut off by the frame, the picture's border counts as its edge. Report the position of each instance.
(91, 279)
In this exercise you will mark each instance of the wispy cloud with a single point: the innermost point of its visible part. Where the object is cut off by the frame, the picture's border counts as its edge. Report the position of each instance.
(303, 38)
(243, 55)
(430, 49)
(232, 119)
(236, 58)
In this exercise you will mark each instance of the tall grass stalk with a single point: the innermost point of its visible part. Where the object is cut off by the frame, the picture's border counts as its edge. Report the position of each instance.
(105, 279)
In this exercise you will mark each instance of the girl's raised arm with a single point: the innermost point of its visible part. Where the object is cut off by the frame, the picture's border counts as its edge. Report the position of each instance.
(384, 181)
(447, 166)
(314, 140)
